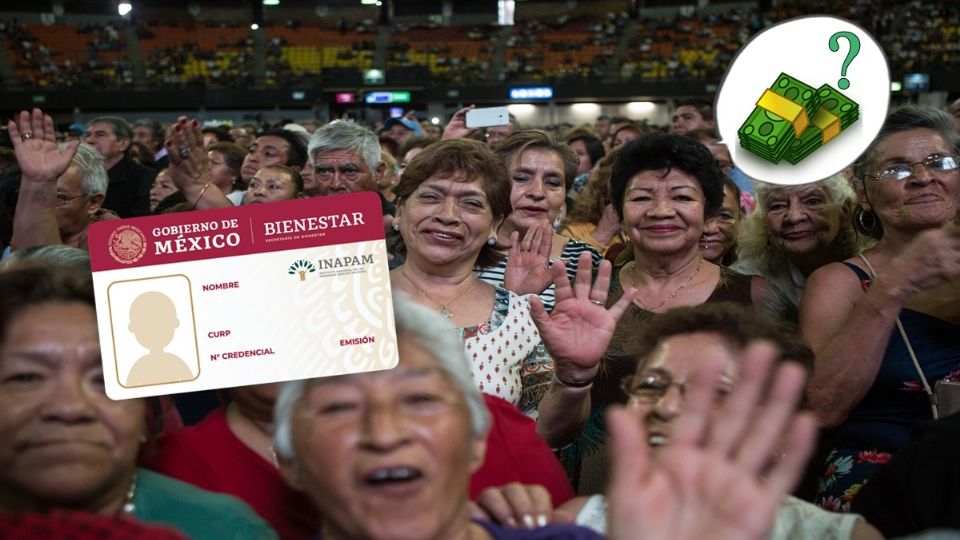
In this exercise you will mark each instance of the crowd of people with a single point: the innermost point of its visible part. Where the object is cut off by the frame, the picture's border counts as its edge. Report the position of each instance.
(603, 330)
(921, 36)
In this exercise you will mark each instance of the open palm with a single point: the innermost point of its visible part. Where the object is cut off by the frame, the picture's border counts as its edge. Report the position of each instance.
(715, 477)
(578, 330)
(35, 144)
(528, 261)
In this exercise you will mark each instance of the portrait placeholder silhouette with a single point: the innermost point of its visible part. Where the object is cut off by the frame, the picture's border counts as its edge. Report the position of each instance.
(153, 321)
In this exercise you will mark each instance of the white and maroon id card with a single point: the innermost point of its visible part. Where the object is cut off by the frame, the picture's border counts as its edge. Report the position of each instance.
(246, 295)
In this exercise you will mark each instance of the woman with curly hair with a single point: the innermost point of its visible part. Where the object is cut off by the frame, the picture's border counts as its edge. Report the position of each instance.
(794, 231)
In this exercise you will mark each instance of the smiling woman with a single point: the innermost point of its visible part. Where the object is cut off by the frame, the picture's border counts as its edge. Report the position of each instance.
(794, 231)
(542, 169)
(451, 199)
(884, 323)
(663, 187)
(63, 443)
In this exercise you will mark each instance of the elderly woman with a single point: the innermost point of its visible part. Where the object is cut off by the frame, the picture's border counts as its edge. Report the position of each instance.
(542, 169)
(451, 199)
(63, 443)
(387, 455)
(884, 324)
(675, 350)
(794, 231)
(663, 187)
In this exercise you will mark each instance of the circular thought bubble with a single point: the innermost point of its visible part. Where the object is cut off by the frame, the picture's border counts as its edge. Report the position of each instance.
(773, 105)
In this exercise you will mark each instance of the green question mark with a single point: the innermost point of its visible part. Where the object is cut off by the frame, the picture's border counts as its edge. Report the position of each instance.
(854, 41)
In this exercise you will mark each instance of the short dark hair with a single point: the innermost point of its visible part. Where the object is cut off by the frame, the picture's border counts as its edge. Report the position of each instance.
(25, 284)
(704, 107)
(419, 141)
(297, 154)
(155, 129)
(590, 140)
(119, 126)
(222, 133)
(526, 139)
(294, 176)
(232, 153)
(658, 151)
(474, 161)
(736, 323)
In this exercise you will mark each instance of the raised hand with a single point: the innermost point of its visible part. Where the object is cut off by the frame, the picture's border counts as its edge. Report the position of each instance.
(528, 261)
(715, 478)
(189, 163)
(457, 126)
(578, 330)
(35, 144)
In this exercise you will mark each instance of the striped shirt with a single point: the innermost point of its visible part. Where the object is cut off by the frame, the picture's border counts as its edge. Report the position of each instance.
(571, 254)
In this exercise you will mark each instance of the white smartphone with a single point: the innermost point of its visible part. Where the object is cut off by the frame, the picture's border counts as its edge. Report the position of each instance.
(487, 117)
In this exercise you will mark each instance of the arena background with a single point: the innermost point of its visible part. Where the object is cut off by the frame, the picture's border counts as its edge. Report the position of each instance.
(246, 62)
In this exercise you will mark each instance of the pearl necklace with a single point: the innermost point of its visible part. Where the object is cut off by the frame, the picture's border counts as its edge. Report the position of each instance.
(636, 281)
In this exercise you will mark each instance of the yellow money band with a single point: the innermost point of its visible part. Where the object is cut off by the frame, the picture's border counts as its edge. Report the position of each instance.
(828, 123)
(795, 114)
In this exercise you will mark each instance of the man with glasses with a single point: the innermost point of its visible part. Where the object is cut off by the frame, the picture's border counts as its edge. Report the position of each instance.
(61, 191)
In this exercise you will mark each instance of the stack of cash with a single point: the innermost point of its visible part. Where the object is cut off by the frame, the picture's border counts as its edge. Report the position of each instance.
(836, 113)
(781, 116)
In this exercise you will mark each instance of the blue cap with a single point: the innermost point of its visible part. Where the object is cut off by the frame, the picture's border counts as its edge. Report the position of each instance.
(412, 125)
(78, 128)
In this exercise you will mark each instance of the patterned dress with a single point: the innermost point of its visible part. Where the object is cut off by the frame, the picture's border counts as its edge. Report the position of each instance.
(508, 359)
(881, 423)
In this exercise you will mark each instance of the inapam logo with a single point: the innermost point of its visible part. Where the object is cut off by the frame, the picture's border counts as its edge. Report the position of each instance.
(300, 268)
(127, 244)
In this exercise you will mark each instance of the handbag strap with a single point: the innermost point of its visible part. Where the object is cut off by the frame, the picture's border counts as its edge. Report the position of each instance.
(931, 397)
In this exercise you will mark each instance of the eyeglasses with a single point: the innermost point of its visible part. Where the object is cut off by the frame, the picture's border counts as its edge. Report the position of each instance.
(62, 199)
(934, 163)
(652, 385)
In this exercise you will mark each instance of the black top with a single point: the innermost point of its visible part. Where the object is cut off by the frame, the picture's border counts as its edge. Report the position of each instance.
(919, 488)
(129, 191)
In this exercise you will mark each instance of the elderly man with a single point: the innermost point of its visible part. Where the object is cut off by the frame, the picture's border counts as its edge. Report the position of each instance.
(61, 189)
(388, 454)
(129, 182)
(346, 159)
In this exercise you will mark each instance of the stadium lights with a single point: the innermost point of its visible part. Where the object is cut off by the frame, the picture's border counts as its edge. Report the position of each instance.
(641, 107)
(123, 8)
(368, 2)
(254, 26)
(271, 2)
(435, 121)
(585, 108)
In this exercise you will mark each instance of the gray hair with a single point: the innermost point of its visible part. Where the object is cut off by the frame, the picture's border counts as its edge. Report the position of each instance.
(58, 255)
(905, 119)
(756, 253)
(95, 177)
(121, 128)
(431, 332)
(343, 135)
